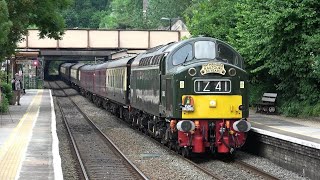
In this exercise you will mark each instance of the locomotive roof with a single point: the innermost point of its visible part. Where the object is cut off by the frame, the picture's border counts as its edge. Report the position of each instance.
(109, 64)
(76, 66)
(119, 62)
(103, 65)
(67, 64)
(152, 55)
(167, 48)
(87, 67)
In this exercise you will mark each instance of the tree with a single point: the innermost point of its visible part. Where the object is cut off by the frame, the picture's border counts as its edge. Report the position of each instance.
(5, 23)
(42, 13)
(214, 18)
(124, 14)
(128, 14)
(165, 8)
(282, 39)
(85, 13)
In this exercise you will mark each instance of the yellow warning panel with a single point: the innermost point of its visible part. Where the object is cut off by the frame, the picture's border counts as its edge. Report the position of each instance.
(212, 106)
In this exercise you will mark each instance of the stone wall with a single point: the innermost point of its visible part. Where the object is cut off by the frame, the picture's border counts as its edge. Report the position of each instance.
(297, 158)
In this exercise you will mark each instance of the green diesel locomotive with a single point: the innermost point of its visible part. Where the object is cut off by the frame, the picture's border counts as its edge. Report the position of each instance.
(192, 94)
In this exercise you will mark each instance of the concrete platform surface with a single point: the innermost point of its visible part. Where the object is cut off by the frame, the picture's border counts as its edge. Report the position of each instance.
(28, 139)
(297, 130)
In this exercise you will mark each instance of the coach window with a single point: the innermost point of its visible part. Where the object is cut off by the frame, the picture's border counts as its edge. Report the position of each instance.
(204, 50)
(182, 55)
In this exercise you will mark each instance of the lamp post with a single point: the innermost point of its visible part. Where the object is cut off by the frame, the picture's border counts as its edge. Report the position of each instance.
(167, 19)
(7, 71)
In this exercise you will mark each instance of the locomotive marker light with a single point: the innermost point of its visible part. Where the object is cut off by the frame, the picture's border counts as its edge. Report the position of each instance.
(241, 84)
(181, 84)
(192, 71)
(232, 72)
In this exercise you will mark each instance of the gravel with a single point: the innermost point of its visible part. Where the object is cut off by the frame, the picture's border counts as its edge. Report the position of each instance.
(268, 166)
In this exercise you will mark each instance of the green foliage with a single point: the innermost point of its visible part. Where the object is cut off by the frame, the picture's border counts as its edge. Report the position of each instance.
(283, 51)
(316, 110)
(165, 8)
(292, 108)
(85, 13)
(41, 13)
(4, 106)
(5, 23)
(296, 108)
(128, 14)
(124, 14)
(214, 18)
(7, 95)
(3, 76)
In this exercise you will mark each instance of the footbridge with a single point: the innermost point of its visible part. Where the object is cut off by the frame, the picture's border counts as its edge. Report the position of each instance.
(88, 45)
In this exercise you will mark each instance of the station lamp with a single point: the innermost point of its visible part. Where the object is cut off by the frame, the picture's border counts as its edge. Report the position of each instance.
(35, 63)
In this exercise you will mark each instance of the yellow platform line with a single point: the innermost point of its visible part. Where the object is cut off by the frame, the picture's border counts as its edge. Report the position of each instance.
(12, 152)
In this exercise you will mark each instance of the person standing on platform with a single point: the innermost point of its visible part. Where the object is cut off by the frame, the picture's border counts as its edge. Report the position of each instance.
(16, 87)
(13, 86)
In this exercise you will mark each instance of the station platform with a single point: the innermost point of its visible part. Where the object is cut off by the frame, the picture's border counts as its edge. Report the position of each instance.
(305, 132)
(28, 140)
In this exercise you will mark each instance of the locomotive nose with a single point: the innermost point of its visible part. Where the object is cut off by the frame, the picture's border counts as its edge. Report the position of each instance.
(242, 126)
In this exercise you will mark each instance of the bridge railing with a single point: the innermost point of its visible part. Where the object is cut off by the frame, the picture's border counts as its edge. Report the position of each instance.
(101, 39)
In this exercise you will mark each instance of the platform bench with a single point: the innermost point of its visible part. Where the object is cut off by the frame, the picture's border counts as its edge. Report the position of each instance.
(267, 103)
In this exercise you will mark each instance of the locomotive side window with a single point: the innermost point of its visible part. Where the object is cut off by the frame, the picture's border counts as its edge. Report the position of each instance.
(182, 55)
(204, 50)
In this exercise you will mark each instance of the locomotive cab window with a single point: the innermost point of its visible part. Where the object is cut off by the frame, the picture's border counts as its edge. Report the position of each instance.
(205, 50)
(227, 54)
(182, 55)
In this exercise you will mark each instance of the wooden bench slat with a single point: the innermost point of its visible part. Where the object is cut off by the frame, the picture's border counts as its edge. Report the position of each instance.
(267, 99)
(274, 95)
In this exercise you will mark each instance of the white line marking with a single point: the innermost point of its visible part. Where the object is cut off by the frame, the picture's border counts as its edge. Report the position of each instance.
(55, 144)
(287, 138)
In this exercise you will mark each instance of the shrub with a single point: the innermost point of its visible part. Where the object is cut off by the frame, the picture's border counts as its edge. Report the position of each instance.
(7, 95)
(292, 109)
(316, 110)
(4, 106)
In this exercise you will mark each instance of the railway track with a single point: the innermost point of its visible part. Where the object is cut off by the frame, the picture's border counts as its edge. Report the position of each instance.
(98, 157)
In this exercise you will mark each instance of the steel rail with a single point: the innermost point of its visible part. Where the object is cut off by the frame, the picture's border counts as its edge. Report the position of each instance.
(257, 171)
